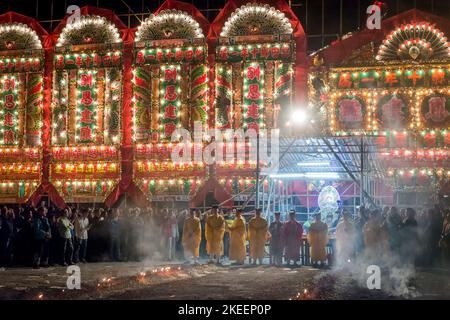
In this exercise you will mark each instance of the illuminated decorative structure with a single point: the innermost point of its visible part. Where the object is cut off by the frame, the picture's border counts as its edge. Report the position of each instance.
(86, 108)
(256, 47)
(394, 90)
(87, 114)
(21, 84)
(170, 92)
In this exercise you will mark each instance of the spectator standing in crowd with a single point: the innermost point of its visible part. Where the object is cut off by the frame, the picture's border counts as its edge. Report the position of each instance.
(276, 241)
(124, 233)
(114, 234)
(65, 228)
(410, 237)
(172, 235)
(237, 238)
(42, 235)
(55, 241)
(136, 235)
(292, 239)
(372, 237)
(318, 239)
(6, 237)
(202, 249)
(181, 216)
(444, 242)
(23, 251)
(81, 236)
(226, 236)
(358, 229)
(257, 235)
(392, 225)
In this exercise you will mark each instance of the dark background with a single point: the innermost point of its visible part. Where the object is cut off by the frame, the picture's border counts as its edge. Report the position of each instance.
(323, 20)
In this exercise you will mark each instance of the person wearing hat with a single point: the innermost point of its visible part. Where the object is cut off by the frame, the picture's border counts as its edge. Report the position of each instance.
(292, 239)
(276, 243)
(318, 239)
(257, 234)
(237, 238)
(192, 235)
(214, 231)
(345, 239)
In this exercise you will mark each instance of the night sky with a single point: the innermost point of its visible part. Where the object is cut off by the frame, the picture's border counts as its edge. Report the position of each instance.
(321, 31)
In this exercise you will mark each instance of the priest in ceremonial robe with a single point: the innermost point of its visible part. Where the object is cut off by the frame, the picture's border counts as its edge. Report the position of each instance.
(237, 238)
(292, 239)
(214, 231)
(192, 235)
(318, 239)
(257, 234)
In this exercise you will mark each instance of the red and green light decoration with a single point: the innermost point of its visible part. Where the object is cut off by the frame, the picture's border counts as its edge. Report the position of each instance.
(88, 60)
(113, 92)
(435, 76)
(33, 110)
(249, 52)
(253, 96)
(174, 186)
(9, 105)
(223, 96)
(199, 93)
(20, 64)
(170, 101)
(170, 55)
(60, 107)
(142, 102)
(86, 122)
(85, 190)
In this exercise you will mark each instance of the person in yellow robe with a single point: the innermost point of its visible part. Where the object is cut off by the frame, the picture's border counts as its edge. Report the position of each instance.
(192, 235)
(214, 231)
(257, 234)
(237, 238)
(345, 240)
(318, 239)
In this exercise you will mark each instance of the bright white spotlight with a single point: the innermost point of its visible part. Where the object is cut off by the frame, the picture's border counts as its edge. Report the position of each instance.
(299, 116)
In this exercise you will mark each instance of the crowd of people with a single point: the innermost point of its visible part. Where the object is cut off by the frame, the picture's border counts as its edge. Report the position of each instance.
(46, 236)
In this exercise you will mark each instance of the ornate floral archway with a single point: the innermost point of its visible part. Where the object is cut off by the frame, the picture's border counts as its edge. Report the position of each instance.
(21, 104)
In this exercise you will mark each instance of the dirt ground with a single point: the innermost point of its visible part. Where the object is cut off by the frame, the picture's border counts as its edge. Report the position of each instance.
(184, 282)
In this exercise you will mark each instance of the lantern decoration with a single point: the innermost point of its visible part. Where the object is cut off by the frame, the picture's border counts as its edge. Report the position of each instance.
(86, 110)
(89, 30)
(256, 19)
(170, 82)
(169, 24)
(21, 84)
(414, 41)
(18, 36)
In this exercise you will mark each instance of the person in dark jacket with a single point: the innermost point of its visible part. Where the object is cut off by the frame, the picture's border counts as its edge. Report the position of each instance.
(42, 236)
(409, 237)
(276, 243)
(114, 233)
(55, 240)
(202, 249)
(6, 237)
